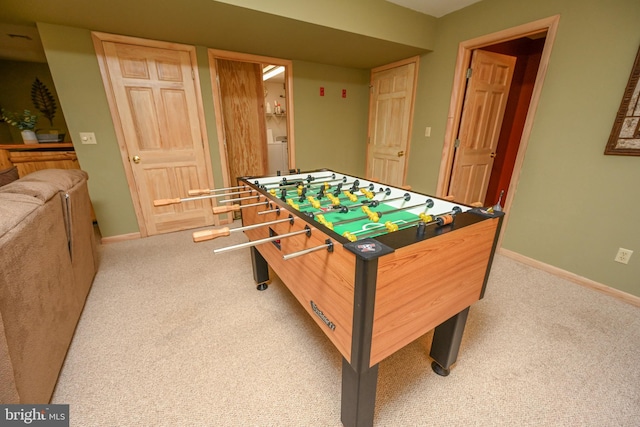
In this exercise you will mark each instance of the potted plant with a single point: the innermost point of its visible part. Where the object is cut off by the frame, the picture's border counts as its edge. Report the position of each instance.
(24, 121)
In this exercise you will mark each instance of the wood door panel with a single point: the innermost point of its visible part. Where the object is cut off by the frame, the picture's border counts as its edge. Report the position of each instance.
(175, 115)
(169, 70)
(144, 117)
(155, 94)
(242, 99)
(132, 67)
(390, 117)
(166, 181)
(383, 167)
(309, 278)
(412, 298)
(485, 103)
(389, 134)
(470, 175)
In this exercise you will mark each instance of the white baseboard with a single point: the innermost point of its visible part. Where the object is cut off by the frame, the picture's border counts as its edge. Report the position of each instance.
(628, 298)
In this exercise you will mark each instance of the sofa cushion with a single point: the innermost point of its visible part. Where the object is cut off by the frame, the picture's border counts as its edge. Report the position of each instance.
(14, 208)
(9, 175)
(61, 178)
(44, 184)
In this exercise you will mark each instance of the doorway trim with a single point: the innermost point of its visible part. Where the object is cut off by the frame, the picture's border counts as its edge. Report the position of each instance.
(465, 49)
(217, 102)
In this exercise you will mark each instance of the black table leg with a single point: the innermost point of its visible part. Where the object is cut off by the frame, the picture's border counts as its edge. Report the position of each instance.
(446, 343)
(358, 395)
(359, 379)
(260, 269)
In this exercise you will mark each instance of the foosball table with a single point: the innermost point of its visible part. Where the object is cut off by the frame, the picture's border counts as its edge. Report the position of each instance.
(375, 266)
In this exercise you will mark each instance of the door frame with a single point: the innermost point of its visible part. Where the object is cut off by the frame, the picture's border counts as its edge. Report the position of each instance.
(217, 102)
(465, 49)
(98, 38)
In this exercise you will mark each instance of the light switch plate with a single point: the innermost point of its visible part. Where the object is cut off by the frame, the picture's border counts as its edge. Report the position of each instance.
(88, 138)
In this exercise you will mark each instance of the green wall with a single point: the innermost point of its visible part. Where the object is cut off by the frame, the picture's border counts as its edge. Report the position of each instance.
(375, 18)
(330, 131)
(16, 79)
(574, 207)
(323, 125)
(76, 74)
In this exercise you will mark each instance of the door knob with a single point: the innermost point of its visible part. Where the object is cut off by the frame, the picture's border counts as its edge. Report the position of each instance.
(400, 153)
(493, 155)
(136, 159)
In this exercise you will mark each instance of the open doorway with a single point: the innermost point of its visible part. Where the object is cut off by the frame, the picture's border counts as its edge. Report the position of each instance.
(528, 51)
(275, 96)
(532, 42)
(244, 90)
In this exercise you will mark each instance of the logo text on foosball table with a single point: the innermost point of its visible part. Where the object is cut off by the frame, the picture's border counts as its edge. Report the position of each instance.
(368, 247)
(322, 317)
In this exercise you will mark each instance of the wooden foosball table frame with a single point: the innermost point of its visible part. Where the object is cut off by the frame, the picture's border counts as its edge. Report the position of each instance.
(371, 297)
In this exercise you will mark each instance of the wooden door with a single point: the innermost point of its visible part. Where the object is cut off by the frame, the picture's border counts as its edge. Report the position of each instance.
(155, 102)
(243, 116)
(390, 120)
(482, 114)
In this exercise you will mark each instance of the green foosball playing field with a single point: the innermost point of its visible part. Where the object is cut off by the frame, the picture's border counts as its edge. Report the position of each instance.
(359, 212)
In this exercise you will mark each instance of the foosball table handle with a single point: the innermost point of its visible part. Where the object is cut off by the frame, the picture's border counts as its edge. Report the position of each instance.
(204, 235)
(165, 202)
(223, 209)
(198, 191)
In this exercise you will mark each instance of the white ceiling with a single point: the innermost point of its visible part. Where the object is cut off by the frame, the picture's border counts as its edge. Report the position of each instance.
(437, 8)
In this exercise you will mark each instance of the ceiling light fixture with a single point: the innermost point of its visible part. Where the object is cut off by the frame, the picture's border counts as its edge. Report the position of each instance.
(272, 73)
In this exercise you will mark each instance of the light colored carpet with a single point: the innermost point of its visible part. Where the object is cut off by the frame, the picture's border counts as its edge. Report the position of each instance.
(173, 335)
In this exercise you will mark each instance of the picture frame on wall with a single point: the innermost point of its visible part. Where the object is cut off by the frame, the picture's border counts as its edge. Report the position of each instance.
(625, 135)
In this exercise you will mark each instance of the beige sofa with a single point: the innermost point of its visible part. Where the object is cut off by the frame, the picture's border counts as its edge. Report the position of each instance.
(48, 260)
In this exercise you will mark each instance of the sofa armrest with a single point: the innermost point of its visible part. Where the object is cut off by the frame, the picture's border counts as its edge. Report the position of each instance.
(8, 391)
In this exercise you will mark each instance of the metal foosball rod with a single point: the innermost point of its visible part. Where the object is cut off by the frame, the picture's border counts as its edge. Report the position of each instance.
(306, 230)
(324, 191)
(426, 221)
(323, 188)
(379, 215)
(203, 191)
(371, 215)
(203, 235)
(240, 198)
(374, 203)
(295, 182)
(352, 186)
(268, 211)
(165, 202)
(224, 209)
(328, 244)
(317, 204)
(301, 187)
(335, 198)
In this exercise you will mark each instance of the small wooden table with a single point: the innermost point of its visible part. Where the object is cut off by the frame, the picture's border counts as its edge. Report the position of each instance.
(32, 157)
